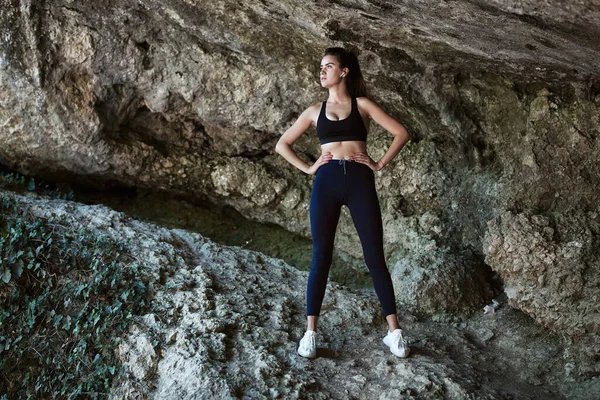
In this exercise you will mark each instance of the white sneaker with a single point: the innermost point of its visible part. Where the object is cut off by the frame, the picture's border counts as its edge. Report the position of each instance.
(308, 345)
(396, 343)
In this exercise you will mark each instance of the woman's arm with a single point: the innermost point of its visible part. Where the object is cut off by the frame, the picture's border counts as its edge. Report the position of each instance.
(284, 145)
(395, 128)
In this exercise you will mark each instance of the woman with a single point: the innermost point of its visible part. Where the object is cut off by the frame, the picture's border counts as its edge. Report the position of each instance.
(344, 176)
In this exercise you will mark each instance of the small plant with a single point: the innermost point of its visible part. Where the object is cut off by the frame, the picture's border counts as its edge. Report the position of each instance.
(17, 182)
(66, 297)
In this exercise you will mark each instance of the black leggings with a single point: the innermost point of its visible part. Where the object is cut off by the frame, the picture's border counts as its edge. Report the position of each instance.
(345, 182)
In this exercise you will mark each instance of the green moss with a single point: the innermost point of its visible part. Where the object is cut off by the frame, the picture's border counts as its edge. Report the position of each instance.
(20, 183)
(66, 297)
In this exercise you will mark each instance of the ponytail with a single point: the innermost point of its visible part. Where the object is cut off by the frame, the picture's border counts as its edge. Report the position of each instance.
(347, 59)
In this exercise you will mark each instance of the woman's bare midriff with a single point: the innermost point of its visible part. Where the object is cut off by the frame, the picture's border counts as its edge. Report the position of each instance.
(344, 150)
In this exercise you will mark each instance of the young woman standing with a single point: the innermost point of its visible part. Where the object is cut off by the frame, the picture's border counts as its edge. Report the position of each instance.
(344, 176)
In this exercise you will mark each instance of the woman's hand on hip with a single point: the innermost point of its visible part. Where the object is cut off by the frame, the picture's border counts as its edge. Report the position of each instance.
(364, 158)
(324, 159)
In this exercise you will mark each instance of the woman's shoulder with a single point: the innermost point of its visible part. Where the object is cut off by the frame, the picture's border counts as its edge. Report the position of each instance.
(314, 109)
(316, 106)
(311, 113)
(366, 105)
(364, 101)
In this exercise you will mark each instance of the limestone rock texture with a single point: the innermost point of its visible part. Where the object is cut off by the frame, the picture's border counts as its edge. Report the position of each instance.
(551, 271)
(224, 323)
(189, 97)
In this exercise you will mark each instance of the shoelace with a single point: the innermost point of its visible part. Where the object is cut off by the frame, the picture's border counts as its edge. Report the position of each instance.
(399, 339)
(310, 343)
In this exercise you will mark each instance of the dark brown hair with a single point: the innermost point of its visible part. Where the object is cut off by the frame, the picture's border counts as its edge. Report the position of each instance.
(347, 59)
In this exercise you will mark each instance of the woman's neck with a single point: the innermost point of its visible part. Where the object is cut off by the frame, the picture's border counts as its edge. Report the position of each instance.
(338, 94)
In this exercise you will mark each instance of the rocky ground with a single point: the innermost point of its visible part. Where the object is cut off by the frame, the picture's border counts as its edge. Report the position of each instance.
(226, 322)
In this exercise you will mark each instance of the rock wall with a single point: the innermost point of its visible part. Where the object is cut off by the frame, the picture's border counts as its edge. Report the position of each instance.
(551, 271)
(190, 98)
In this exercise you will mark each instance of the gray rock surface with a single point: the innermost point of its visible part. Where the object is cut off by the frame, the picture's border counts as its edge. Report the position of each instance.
(225, 322)
(551, 271)
(502, 98)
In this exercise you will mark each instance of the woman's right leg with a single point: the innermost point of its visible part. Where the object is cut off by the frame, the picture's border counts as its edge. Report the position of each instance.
(325, 206)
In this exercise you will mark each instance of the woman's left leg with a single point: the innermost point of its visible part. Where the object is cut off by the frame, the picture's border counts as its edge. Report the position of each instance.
(361, 199)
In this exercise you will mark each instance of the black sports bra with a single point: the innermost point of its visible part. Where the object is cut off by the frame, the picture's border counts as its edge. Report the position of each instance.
(351, 128)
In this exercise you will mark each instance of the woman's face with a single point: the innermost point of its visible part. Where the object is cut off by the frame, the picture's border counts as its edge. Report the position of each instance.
(331, 71)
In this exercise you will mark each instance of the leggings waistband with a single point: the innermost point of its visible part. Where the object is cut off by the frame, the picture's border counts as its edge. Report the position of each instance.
(346, 162)
(343, 162)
